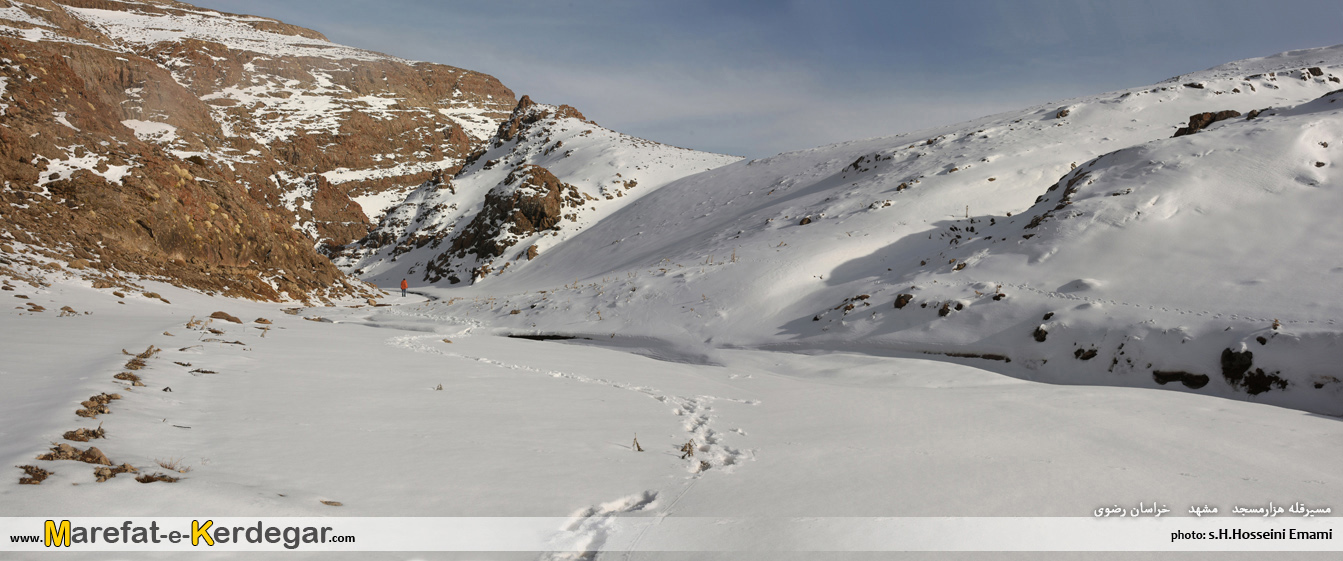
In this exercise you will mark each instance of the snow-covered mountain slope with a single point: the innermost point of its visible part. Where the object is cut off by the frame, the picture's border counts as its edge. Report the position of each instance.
(1077, 239)
(546, 174)
(322, 108)
(269, 121)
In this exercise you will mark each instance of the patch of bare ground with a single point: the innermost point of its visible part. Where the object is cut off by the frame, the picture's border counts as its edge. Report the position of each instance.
(151, 478)
(84, 435)
(67, 452)
(102, 474)
(226, 317)
(97, 405)
(129, 377)
(33, 475)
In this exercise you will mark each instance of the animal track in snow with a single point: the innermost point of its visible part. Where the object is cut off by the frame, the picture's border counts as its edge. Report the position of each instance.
(709, 445)
(589, 529)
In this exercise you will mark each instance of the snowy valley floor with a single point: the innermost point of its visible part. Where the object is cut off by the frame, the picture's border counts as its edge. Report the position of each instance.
(346, 410)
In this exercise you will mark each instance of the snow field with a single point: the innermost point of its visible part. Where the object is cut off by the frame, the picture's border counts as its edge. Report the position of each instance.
(345, 409)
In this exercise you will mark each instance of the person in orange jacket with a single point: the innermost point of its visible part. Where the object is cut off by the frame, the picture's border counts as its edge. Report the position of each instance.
(404, 286)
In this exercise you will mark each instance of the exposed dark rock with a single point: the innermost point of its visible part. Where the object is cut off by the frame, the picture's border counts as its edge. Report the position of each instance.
(1192, 381)
(1258, 382)
(530, 200)
(1087, 354)
(544, 337)
(986, 356)
(523, 115)
(1040, 334)
(902, 300)
(1236, 364)
(1200, 121)
(1236, 369)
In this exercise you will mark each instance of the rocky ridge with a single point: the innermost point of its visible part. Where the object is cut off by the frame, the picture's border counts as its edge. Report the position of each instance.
(546, 174)
(160, 139)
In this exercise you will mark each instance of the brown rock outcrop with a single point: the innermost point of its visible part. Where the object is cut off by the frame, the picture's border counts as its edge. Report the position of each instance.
(530, 200)
(1200, 121)
(195, 159)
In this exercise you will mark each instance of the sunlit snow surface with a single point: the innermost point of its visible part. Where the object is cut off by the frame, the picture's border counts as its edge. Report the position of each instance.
(709, 312)
(347, 409)
(1165, 253)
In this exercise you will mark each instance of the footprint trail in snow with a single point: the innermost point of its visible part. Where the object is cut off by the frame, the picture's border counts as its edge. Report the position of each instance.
(590, 529)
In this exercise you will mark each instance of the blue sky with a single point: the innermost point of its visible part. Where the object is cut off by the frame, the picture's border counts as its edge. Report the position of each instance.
(758, 78)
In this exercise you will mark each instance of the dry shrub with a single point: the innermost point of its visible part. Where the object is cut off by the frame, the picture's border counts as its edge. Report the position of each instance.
(333, 503)
(291, 311)
(174, 464)
(33, 475)
(135, 364)
(149, 352)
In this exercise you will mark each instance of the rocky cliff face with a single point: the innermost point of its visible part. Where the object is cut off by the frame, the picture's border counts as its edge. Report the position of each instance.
(158, 138)
(545, 175)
